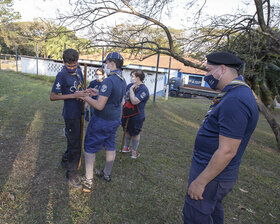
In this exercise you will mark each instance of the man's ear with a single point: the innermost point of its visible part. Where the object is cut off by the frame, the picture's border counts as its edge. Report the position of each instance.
(224, 69)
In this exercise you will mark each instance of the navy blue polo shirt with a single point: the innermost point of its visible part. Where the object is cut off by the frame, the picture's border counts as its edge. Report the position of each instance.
(112, 87)
(236, 117)
(68, 83)
(141, 93)
(94, 85)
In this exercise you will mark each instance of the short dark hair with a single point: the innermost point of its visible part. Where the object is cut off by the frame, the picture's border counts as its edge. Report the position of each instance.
(138, 73)
(101, 70)
(119, 63)
(70, 56)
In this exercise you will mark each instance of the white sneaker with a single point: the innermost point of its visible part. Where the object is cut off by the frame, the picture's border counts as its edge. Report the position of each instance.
(126, 149)
(135, 154)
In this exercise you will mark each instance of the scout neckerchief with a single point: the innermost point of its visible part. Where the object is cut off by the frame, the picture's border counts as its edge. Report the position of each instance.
(80, 86)
(79, 80)
(239, 81)
(74, 73)
(117, 74)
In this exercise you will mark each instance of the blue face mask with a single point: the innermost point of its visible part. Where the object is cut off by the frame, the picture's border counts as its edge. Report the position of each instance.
(212, 82)
(71, 69)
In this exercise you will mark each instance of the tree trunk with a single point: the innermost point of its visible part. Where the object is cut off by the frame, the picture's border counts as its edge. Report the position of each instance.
(270, 119)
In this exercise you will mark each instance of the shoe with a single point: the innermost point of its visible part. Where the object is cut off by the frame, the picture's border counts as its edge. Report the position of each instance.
(64, 160)
(135, 154)
(100, 173)
(126, 149)
(75, 182)
(63, 163)
(87, 184)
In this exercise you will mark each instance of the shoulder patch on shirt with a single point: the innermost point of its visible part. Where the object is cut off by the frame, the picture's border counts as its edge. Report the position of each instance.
(57, 86)
(103, 88)
(142, 95)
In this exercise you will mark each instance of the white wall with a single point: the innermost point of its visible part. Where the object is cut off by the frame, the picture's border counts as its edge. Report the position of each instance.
(51, 68)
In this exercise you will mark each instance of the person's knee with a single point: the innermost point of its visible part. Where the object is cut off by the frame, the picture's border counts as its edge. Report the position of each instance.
(136, 137)
(192, 216)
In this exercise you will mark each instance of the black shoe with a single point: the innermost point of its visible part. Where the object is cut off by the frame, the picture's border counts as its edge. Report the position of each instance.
(64, 160)
(63, 164)
(100, 173)
(75, 182)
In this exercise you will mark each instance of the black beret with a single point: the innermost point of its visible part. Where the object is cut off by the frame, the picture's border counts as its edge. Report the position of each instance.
(224, 58)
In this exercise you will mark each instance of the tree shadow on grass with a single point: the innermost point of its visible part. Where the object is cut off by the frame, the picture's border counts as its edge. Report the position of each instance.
(49, 191)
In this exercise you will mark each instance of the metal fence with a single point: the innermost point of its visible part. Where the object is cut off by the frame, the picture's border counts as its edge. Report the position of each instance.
(10, 62)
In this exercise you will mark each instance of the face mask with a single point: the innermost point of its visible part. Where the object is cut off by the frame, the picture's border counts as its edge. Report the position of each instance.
(212, 82)
(106, 69)
(98, 77)
(72, 70)
(132, 80)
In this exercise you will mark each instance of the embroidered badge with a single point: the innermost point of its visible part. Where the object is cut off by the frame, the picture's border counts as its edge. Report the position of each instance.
(58, 85)
(142, 95)
(103, 88)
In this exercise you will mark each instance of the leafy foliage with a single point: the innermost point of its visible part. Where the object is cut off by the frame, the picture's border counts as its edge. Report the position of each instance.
(51, 39)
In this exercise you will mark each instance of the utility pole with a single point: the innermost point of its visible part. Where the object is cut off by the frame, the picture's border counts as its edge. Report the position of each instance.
(167, 84)
(155, 89)
(16, 57)
(37, 68)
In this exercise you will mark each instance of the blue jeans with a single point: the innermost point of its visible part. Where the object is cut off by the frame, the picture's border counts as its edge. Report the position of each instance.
(209, 210)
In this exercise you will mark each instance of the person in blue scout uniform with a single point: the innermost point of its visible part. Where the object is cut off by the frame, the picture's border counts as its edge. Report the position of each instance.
(138, 94)
(220, 141)
(68, 86)
(102, 128)
(94, 84)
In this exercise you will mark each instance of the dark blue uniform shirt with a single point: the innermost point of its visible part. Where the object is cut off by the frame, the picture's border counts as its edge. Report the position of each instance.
(235, 116)
(141, 93)
(112, 87)
(69, 83)
(94, 85)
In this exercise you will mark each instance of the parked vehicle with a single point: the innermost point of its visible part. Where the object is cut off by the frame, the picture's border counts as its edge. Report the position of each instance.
(177, 89)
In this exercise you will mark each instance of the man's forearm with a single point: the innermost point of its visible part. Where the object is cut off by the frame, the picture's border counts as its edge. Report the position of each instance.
(217, 164)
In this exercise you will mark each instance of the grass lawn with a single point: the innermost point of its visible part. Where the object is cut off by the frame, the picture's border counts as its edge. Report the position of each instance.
(150, 189)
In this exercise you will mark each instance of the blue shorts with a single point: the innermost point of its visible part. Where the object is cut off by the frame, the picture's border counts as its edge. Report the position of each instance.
(209, 210)
(134, 126)
(101, 133)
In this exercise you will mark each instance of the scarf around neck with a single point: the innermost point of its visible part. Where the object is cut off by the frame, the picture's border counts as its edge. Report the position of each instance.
(239, 81)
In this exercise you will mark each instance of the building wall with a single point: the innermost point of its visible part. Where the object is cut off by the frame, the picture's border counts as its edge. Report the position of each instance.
(51, 68)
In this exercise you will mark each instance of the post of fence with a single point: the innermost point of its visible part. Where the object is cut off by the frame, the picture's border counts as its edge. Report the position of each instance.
(0, 62)
(155, 89)
(16, 57)
(37, 58)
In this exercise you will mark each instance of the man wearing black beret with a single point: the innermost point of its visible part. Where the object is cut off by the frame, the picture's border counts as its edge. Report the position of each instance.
(220, 141)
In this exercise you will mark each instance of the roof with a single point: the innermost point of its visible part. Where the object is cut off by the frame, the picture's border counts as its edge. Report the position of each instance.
(152, 62)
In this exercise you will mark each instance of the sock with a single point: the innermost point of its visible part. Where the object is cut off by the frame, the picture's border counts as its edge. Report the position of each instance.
(89, 163)
(110, 158)
(127, 140)
(135, 143)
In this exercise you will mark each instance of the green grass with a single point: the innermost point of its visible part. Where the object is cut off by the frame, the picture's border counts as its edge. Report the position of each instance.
(150, 189)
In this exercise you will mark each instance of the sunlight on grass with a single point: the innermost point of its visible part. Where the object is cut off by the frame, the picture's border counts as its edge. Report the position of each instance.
(179, 120)
(25, 162)
(2, 98)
